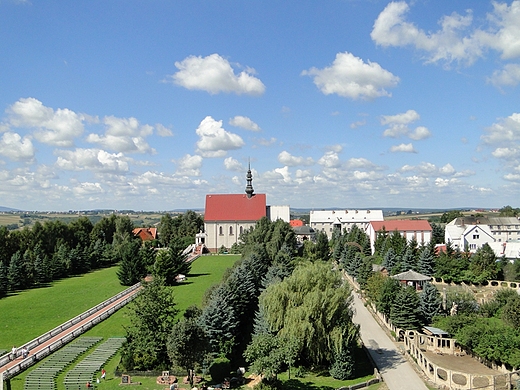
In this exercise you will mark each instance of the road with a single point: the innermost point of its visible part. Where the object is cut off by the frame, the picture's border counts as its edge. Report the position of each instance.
(397, 372)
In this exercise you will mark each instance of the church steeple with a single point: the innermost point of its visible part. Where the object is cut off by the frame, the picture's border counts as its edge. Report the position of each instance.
(249, 187)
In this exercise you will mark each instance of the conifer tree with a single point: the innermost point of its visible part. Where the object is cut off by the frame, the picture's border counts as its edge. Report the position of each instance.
(408, 261)
(405, 312)
(425, 263)
(390, 260)
(17, 273)
(429, 303)
(4, 281)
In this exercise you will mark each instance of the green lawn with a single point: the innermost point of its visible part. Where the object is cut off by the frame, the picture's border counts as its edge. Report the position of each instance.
(30, 313)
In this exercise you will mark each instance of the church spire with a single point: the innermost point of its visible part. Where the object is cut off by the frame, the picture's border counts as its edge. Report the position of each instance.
(249, 187)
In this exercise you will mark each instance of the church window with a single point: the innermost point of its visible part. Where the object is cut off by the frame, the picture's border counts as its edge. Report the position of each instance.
(231, 230)
(220, 231)
(241, 229)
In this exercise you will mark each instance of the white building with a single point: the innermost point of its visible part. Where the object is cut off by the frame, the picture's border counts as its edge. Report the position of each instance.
(279, 212)
(328, 220)
(502, 234)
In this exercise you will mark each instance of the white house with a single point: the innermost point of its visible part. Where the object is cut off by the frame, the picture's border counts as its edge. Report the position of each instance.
(328, 220)
(502, 234)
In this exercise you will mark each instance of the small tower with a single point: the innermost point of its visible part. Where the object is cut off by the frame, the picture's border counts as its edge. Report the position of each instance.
(249, 188)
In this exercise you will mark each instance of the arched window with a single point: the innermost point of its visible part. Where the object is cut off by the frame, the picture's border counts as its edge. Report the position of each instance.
(220, 230)
(231, 230)
(241, 229)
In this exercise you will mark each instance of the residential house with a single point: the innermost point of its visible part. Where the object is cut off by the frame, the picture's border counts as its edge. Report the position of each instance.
(419, 229)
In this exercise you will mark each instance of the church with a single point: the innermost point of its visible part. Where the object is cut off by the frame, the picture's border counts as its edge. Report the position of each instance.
(227, 216)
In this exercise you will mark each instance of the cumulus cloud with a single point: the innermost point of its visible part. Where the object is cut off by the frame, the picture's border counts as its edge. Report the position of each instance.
(245, 123)
(215, 74)
(509, 76)
(355, 125)
(57, 128)
(232, 164)
(287, 159)
(455, 40)
(330, 160)
(125, 135)
(13, 146)
(405, 148)
(349, 76)
(91, 160)
(214, 140)
(189, 165)
(505, 131)
(88, 189)
(398, 126)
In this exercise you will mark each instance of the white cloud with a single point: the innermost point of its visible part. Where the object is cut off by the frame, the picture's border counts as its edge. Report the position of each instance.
(406, 148)
(330, 160)
(506, 153)
(287, 159)
(13, 146)
(214, 74)
(215, 141)
(189, 165)
(58, 128)
(91, 159)
(359, 163)
(265, 141)
(455, 40)
(399, 126)
(509, 76)
(349, 76)
(88, 189)
(245, 123)
(123, 135)
(404, 118)
(284, 172)
(232, 164)
(503, 132)
(355, 125)
(420, 133)
(163, 131)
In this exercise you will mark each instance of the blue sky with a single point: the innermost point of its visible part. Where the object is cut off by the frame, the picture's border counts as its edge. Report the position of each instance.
(354, 104)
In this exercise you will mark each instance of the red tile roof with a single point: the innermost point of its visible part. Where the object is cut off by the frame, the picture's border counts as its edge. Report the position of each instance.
(402, 225)
(234, 207)
(296, 222)
(145, 234)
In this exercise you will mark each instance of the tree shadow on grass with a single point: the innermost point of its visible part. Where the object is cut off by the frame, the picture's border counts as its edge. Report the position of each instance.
(197, 275)
(297, 384)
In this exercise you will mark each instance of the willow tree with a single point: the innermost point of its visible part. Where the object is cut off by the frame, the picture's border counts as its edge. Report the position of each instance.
(311, 306)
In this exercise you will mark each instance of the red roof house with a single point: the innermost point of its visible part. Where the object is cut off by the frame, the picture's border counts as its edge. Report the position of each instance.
(146, 234)
(419, 229)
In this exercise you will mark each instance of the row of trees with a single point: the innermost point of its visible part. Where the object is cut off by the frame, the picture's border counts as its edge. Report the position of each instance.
(53, 250)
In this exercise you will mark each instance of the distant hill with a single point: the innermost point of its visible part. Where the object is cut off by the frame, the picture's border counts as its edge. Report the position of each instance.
(7, 209)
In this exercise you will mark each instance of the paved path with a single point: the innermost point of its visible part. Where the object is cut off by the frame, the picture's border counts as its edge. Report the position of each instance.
(397, 372)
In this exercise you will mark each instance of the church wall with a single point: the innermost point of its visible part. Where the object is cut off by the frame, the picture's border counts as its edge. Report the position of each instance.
(225, 233)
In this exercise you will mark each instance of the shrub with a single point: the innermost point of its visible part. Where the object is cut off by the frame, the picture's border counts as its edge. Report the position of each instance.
(220, 369)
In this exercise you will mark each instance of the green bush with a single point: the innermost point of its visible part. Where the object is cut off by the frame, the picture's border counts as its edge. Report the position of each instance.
(220, 369)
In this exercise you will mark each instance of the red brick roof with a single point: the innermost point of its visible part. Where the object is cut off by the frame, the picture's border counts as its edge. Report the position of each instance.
(234, 207)
(402, 225)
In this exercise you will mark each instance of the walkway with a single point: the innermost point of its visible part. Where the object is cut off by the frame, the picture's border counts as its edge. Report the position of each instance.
(40, 351)
(397, 372)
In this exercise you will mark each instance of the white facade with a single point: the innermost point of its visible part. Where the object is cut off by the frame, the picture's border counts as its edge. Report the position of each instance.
(279, 212)
(224, 233)
(502, 234)
(328, 220)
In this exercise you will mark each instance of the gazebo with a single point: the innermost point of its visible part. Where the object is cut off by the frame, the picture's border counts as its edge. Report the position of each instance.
(412, 278)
